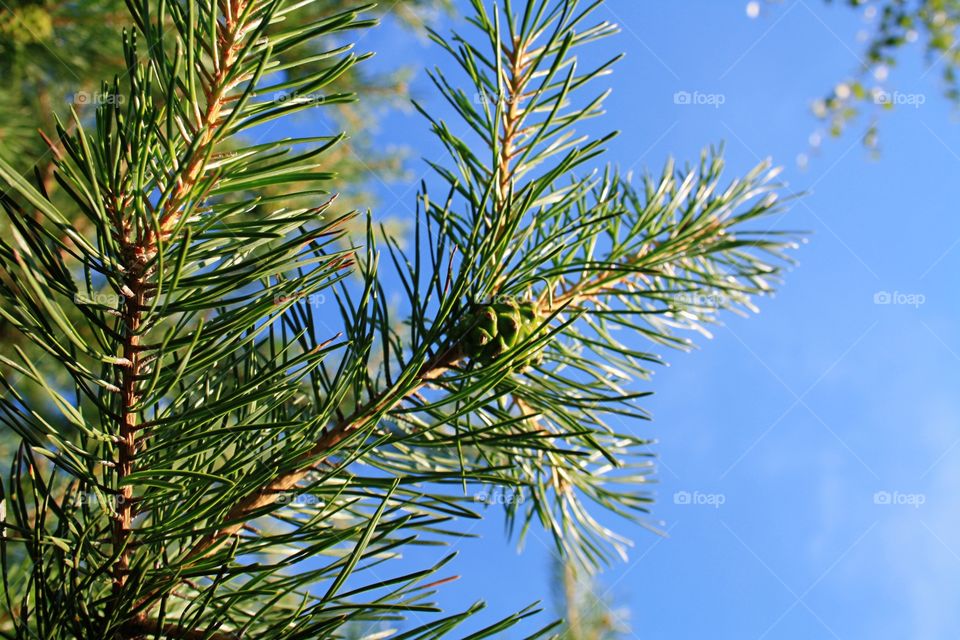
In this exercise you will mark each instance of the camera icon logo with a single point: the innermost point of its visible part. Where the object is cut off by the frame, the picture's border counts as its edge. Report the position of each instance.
(882, 297)
(682, 97)
(681, 497)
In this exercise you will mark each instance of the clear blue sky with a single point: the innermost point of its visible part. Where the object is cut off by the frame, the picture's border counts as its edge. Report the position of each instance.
(799, 416)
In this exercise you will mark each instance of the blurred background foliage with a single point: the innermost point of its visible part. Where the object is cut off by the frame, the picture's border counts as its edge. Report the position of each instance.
(586, 606)
(891, 27)
(53, 56)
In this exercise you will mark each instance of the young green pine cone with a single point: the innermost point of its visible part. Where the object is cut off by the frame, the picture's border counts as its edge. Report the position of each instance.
(480, 329)
(508, 321)
(493, 329)
(532, 321)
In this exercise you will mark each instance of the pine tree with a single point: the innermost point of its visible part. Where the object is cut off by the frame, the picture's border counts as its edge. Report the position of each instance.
(251, 433)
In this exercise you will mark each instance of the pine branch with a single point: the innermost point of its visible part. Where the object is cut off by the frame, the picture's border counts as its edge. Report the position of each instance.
(230, 38)
(643, 255)
(515, 83)
(206, 395)
(139, 251)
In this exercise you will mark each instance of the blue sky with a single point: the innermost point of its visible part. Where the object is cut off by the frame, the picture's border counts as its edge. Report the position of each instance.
(805, 419)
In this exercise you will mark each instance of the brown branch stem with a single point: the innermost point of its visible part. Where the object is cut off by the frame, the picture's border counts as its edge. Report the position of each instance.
(229, 44)
(515, 82)
(137, 251)
(127, 444)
